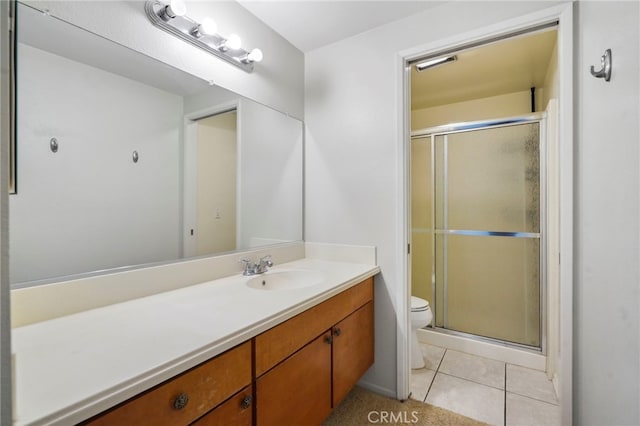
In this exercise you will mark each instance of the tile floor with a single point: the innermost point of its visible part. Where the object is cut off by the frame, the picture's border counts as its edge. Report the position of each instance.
(483, 389)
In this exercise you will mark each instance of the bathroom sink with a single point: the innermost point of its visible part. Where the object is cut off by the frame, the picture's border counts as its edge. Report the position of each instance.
(285, 280)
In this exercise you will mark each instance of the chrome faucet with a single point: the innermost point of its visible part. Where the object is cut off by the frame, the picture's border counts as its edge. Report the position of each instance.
(260, 267)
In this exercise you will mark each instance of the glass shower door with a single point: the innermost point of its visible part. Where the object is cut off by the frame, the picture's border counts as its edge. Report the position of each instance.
(486, 233)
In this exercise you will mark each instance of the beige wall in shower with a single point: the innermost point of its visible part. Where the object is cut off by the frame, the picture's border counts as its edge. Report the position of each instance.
(500, 106)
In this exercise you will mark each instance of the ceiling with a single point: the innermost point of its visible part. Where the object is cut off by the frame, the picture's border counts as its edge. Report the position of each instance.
(512, 65)
(507, 66)
(310, 24)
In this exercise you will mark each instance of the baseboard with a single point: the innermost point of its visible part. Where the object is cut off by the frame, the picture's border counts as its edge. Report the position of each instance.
(514, 356)
(377, 389)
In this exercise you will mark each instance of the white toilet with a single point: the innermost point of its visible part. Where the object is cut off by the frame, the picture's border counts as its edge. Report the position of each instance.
(421, 316)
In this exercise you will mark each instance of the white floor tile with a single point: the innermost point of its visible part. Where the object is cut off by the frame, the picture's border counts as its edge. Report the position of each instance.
(523, 411)
(470, 399)
(432, 355)
(477, 369)
(420, 381)
(531, 383)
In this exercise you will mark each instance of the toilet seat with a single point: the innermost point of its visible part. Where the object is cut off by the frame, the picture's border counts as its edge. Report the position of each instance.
(418, 304)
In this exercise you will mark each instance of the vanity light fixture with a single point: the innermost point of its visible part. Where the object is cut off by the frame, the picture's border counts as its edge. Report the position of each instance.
(430, 63)
(174, 9)
(172, 18)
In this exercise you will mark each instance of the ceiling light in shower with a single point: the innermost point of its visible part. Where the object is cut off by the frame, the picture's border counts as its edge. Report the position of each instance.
(171, 17)
(430, 63)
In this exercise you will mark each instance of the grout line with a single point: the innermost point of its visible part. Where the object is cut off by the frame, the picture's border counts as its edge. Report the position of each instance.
(441, 359)
(434, 376)
(535, 399)
(505, 394)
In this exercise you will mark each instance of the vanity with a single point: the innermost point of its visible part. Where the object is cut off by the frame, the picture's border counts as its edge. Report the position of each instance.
(219, 352)
(131, 308)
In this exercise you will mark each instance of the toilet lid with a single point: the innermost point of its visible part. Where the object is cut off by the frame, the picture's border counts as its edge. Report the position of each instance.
(418, 304)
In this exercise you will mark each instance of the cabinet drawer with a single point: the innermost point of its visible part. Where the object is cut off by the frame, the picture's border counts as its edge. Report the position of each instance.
(206, 386)
(278, 343)
(237, 411)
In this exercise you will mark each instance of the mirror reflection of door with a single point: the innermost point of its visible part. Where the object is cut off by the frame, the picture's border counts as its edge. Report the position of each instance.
(216, 146)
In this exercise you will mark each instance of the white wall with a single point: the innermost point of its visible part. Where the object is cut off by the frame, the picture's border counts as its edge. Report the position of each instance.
(88, 206)
(351, 116)
(270, 182)
(606, 339)
(5, 331)
(276, 81)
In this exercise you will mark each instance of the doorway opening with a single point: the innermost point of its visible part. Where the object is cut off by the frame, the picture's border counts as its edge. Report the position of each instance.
(211, 165)
(484, 135)
(478, 208)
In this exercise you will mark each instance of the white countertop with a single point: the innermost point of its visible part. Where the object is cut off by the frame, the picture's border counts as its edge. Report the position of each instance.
(70, 368)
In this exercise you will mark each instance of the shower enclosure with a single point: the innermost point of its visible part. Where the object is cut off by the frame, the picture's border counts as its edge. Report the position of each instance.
(477, 221)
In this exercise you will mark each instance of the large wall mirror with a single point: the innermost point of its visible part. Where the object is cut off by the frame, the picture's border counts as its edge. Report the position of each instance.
(123, 160)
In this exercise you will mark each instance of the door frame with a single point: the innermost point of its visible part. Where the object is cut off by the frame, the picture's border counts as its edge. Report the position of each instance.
(564, 15)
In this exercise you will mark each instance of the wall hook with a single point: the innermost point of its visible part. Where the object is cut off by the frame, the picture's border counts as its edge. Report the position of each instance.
(605, 71)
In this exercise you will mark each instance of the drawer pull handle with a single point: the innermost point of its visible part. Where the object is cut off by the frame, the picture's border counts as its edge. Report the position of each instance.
(181, 401)
(328, 339)
(246, 401)
(337, 331)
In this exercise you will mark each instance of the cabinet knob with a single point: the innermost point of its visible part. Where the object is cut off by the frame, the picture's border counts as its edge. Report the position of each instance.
(246, 402)
(181, 401)
(328, 339)
(337, 331)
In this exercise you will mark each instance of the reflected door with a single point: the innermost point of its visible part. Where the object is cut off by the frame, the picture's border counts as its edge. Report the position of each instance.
(216, 197)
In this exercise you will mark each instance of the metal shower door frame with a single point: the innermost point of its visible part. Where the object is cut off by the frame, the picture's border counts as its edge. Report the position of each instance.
(445, 131)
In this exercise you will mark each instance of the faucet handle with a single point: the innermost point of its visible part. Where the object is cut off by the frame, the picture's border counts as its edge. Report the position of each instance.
(266, 260)
(247, 263)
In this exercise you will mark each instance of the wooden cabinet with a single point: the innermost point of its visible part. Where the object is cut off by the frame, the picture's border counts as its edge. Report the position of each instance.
(188, 396)
(277, 343)
(306, 365)
(297, 391)
(352, 350)
(294, 373)
(237, 411)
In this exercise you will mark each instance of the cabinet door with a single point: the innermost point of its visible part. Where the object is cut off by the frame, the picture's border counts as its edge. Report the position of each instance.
(276, 344)
(236, 411)
(298, 390)
(352, 350)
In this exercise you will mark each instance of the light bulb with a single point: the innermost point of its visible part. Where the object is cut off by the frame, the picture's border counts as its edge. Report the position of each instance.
(255, 55)
(233, 42)
(207, 27)
(175, 8)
